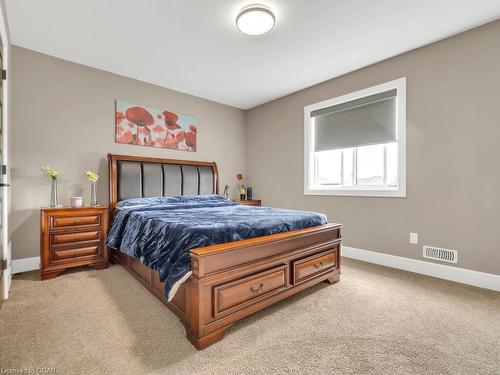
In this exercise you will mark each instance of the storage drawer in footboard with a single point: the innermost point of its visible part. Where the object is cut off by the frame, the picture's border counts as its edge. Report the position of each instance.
(314, 265)
(238, 294)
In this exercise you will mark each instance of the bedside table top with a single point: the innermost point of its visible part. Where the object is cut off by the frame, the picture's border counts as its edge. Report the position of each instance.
(98, 207)
(249, 202)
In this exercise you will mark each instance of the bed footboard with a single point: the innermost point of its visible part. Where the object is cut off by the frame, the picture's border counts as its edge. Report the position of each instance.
(233, 280)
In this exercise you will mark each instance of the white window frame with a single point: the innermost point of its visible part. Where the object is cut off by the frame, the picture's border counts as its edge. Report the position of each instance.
(365, 191)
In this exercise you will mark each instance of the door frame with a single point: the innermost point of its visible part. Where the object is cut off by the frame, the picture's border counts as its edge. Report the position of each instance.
(5, 236)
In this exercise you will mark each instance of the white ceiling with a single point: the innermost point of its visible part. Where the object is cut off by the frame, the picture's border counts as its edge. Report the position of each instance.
(193, 46)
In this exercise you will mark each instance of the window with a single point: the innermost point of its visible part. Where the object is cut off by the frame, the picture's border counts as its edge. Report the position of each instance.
(355, 144)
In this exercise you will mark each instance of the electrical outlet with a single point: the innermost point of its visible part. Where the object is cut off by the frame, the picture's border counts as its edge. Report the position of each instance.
(413, 238)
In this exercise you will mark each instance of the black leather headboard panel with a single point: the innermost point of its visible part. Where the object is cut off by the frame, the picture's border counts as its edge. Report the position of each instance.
(152, 178)
(129, 180)
(137, 179)
(206, 180)
(190, 182)
(172, 180)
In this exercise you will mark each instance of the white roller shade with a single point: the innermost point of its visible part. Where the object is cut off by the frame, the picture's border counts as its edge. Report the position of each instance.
(361, 122)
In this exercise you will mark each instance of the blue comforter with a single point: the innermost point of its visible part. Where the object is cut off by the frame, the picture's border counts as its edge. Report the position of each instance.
(160, 232)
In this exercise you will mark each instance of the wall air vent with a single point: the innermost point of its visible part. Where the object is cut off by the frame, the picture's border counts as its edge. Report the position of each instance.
(443, 255)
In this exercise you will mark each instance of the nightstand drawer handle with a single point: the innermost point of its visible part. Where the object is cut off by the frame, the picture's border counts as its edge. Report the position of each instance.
(319, 266)
(76, 237)
(77, 221)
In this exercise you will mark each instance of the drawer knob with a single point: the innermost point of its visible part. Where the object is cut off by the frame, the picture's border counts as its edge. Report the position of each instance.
(77, 221)
(259, 289)
(76, 237)
(319, 266)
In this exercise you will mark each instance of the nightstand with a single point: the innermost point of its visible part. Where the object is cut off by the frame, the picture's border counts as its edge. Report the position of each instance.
(72, 237)
(252, 202)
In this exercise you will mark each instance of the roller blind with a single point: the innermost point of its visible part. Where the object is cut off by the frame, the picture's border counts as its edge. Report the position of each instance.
(360, 122)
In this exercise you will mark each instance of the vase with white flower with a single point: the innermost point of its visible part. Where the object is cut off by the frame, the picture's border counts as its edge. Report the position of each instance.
(53, 175)
(93, 177)
(241, 187)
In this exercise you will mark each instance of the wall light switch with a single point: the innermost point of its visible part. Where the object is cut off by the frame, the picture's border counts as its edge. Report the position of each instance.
(413, 238)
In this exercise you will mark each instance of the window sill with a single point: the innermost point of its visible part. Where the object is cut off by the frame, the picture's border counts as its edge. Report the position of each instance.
(401, 193)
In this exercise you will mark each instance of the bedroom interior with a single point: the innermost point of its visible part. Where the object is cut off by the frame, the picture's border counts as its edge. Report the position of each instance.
(270, 187)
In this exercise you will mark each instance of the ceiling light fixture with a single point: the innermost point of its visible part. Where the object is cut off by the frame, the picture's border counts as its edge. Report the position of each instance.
(255, 19)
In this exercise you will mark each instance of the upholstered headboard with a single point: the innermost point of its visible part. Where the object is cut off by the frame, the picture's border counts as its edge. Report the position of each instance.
(139, 177)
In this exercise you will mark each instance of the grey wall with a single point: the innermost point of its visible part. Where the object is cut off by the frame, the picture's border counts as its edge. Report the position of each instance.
(453, 172)
(63, 115)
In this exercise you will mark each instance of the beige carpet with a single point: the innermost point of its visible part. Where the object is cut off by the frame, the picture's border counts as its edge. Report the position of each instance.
(376, 320)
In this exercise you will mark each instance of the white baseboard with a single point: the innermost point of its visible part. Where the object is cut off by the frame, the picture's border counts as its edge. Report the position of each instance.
(441, 271)
(25, 264)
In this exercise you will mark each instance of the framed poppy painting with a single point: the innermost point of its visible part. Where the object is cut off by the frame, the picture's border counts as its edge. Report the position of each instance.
(146, 126)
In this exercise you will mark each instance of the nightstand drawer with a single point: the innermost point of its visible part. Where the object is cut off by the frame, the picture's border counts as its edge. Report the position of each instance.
(68, 221)
(62, 238)
(76, 252)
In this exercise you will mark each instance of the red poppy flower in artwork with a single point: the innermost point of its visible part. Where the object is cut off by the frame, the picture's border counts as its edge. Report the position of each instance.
(171, 120)
(170, 116)
(179, 137)
(192, 129)
(139, 116)
(126, 137)
(119, 117)
(190, 139)
(158, 129)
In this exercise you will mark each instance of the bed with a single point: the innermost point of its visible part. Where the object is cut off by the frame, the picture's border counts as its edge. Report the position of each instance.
(224, 261)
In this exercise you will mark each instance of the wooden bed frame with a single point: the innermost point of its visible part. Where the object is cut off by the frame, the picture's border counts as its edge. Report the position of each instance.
(233, 280)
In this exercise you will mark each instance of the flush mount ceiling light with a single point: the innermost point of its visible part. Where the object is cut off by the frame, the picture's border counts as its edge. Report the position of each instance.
(255, 20)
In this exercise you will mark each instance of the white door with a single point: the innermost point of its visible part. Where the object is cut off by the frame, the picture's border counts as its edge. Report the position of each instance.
(5, 254)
